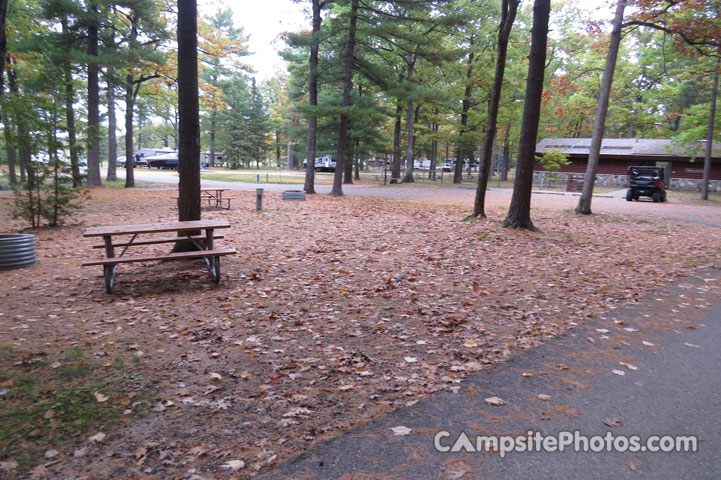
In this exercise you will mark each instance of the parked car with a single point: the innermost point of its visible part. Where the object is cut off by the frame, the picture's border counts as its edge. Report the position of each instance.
(447, 167)
(646, 182)
(120, 162)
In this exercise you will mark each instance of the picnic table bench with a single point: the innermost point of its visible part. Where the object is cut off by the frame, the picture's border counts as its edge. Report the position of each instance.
(184, 233)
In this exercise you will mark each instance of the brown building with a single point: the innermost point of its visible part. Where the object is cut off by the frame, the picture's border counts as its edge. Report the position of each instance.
(617, 154)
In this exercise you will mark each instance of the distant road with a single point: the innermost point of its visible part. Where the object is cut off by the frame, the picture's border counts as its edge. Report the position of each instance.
(465, 195)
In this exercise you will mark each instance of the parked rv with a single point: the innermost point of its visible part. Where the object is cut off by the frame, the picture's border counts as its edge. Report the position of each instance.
(322, 164)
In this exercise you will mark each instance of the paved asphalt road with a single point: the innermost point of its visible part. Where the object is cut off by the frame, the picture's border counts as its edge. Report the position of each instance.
(676, 390)
(611, 204)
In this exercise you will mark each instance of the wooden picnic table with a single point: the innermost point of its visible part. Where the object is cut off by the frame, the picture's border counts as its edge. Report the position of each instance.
(215, 196)
(184, 233)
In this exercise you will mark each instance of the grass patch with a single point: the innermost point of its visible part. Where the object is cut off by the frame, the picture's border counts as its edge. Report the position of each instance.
(714, 199)
(52, 404)
(269, 178)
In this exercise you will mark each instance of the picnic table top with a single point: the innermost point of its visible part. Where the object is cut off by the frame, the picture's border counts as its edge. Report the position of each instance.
(154, 228)
(211, 189)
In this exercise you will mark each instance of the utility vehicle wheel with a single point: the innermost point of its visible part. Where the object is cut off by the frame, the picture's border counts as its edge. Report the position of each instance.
(629, 194)
(656, 197)
(663, 197)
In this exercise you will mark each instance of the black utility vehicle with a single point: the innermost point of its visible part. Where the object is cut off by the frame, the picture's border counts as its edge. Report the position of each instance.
(646, 182)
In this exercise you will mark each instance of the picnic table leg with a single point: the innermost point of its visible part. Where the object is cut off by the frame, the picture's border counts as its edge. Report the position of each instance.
(213, 263)
(109, 270)
(109, 273)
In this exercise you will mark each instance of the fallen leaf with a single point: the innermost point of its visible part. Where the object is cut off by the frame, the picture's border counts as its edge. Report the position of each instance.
(648, 344)
(495, 401)
(527, 375)
(632, 466)
(49, 413)
(216, 377)
(97, 438)
(199, 451)
(350, 386)
(8, 383)
(612, 422)
(458, 469)
(629, 366)
(100, 398)
(8, 465)
(470, 344)
(544, 397)
(410, 359)
(51, 453)
(692, 345)
(619, 372)
(38, 472)
(295, 412)
(140, 453)
(401, 430)
(234, 465)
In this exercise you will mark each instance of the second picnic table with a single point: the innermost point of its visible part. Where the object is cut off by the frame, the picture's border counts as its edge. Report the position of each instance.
(214, 197)
(184, 230)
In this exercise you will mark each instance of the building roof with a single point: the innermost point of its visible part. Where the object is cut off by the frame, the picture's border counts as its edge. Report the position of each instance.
(641, 147)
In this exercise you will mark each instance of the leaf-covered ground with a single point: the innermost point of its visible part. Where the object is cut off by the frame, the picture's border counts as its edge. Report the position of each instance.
(333, 312)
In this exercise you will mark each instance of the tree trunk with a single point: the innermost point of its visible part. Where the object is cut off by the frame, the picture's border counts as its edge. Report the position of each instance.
(462, 149)
(112, 139)
(277, 149)
(434, 146)
(347, 86)
(709, 133)
(129, 158)
(93, 179)
(70, 120)
(188, 109)
(410, 140)
(292, 159)
(357, 159)
(507, 18)
(396, 164)
(211, 148)
(519, 213)
(3, 44)
(584, 202)
(9, 148)
(20, 139)
(309, 186)
(349, 155)
(506, 154)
